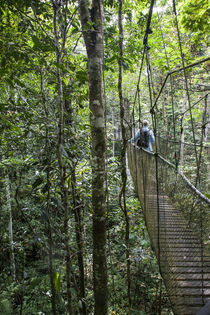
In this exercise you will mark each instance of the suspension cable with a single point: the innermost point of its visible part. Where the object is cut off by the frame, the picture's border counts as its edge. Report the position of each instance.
(145, 40)
(137, 93)
(186, 85)
(154, 122)
(200, 99)
(187, 143)
(175, 71)
(172, 93)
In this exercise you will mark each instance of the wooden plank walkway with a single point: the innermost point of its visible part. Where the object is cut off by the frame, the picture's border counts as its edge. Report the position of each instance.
(184, 265)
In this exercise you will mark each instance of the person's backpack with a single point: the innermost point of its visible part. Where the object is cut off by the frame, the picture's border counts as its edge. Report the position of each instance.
(143, 142)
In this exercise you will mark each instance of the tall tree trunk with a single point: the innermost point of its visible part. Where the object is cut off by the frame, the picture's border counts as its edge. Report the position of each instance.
(77, 209)
(113, 125)
(10, 227)
(48, 208)
(182, 125)
(60, 144)
(92, 24)
(122, 197)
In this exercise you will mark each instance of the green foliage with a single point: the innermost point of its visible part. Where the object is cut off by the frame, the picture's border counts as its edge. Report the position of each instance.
(194, 16)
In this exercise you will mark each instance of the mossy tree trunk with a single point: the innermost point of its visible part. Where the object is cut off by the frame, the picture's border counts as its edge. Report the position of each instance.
(92, 25)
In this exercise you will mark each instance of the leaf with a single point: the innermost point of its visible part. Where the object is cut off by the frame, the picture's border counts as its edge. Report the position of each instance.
(65, 80)
(1, 12)
(19, 83)
(125, 65)
(57, 282)
(207, 195)
(144, 242)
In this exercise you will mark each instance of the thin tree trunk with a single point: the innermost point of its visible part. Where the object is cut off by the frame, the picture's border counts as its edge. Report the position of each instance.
(92, 24)
(113, 125)
(182, 125)
(10, 227)
(77, 208)
(64, 191)
(48, 210)
(50, 248)
(122, 197)
(79, 237)
(206, 128)
(207, 125)
(165, 120)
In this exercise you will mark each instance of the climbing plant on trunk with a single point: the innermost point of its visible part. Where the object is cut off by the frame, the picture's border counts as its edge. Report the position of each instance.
(122, 196)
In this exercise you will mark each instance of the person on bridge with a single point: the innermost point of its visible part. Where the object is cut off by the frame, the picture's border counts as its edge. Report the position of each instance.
(144, 137)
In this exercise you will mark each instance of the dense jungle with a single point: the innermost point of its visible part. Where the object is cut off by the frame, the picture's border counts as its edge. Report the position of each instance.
(77, 80)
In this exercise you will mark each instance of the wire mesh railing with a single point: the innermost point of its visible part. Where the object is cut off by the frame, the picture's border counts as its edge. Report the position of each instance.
(191, 202)
(187, 163)
(178, 221)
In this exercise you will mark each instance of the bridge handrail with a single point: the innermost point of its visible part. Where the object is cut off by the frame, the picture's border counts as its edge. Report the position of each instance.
(202, 196)
(187, 143)
(193, 188)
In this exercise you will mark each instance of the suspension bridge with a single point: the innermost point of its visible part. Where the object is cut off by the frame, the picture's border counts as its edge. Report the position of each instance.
(177, 217)
(172, 182)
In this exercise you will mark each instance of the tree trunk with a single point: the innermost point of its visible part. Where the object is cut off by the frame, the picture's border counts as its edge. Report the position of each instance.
(48, 208)
(12, 254)
(182, 125)
(122, 197)
(50, 249)
(64, 191)
(92, 24)
(77, 209)
(79, 237)
(207, 124)
(165, 120)
(113, 141)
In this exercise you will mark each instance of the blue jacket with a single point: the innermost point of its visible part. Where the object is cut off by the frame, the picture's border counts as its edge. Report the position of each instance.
(151, 138)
